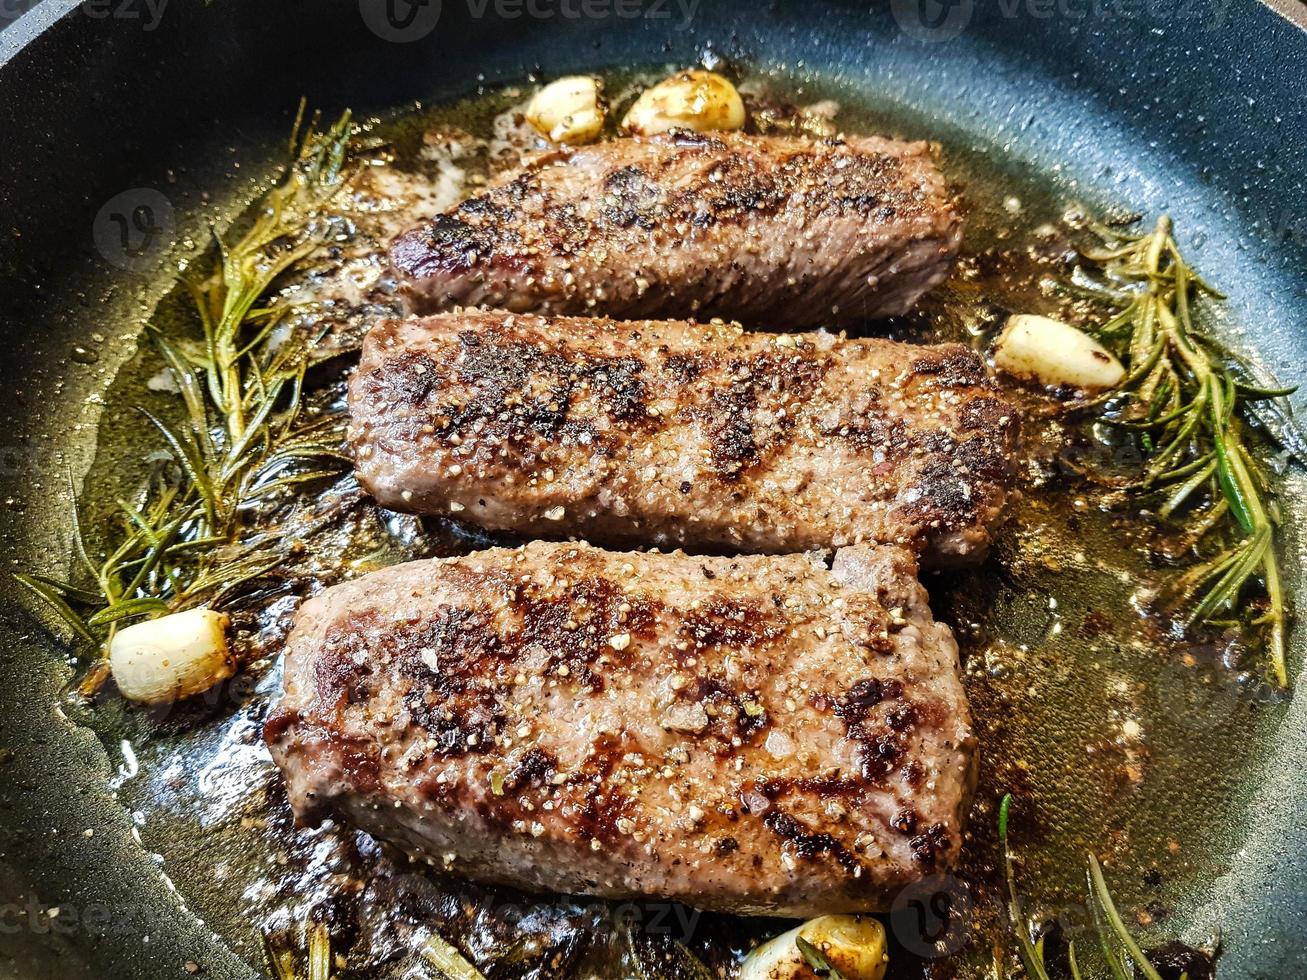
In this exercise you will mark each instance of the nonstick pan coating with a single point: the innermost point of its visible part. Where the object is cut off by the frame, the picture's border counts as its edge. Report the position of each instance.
(1194, 107)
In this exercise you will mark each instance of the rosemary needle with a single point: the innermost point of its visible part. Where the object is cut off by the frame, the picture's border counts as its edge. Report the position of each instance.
(1116, 928)
(280, 961)
(817, 960)
(1120, 951)
(1032, 957)
(445, 958)
(319, 953)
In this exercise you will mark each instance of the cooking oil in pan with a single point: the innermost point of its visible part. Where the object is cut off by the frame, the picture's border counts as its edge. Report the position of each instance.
(1114, 736)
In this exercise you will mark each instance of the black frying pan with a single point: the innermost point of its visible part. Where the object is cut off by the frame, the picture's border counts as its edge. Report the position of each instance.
(1197, 107)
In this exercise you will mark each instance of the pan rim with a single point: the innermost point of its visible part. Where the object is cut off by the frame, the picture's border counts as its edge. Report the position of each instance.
(60, 9)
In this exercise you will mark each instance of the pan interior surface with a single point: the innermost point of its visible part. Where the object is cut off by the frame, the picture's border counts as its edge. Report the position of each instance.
(1147, 114)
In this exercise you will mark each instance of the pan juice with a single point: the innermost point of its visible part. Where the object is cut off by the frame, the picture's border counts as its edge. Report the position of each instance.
(1114, 735)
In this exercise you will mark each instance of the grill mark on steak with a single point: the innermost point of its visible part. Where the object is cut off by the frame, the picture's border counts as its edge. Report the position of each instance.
(570, 719)
(630, 198)
(452, 660)
(407, 379)
(453, 243)
(752, 227)
(577, 627)
(728, 420)
(880, 721)
(677, 433)
(448, 664)
(736, 442)
(807, 844)
(522, 394)
(534, 770)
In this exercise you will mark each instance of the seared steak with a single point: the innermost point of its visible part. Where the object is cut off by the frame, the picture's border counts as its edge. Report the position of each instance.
(674, 433)
(758, 735)
(771, 229)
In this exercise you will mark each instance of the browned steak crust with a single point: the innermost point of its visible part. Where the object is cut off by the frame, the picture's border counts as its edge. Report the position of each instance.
(758, 735)
(674, 433)
(756, 228)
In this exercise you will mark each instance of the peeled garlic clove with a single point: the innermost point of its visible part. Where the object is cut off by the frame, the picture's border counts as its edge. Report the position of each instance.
(1036, 348)
(570, 110)
(696, 99)
(854, 945)
(172, 657)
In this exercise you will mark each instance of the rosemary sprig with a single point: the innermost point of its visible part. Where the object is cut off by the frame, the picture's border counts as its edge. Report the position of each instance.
(650, 958)
(280, 961)
(1032, 952)
(1121, 952)
(1119, 947)
(192, 537)
(1187, 399)
(449, 963)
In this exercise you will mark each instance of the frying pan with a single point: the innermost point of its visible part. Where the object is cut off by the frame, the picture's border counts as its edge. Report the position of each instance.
(1195, 107)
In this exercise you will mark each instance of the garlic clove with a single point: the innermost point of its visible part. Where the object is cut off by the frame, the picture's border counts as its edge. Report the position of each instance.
(569, 110)
(854, 945)
(172, 657)
(1053, 353)
(699, 100)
